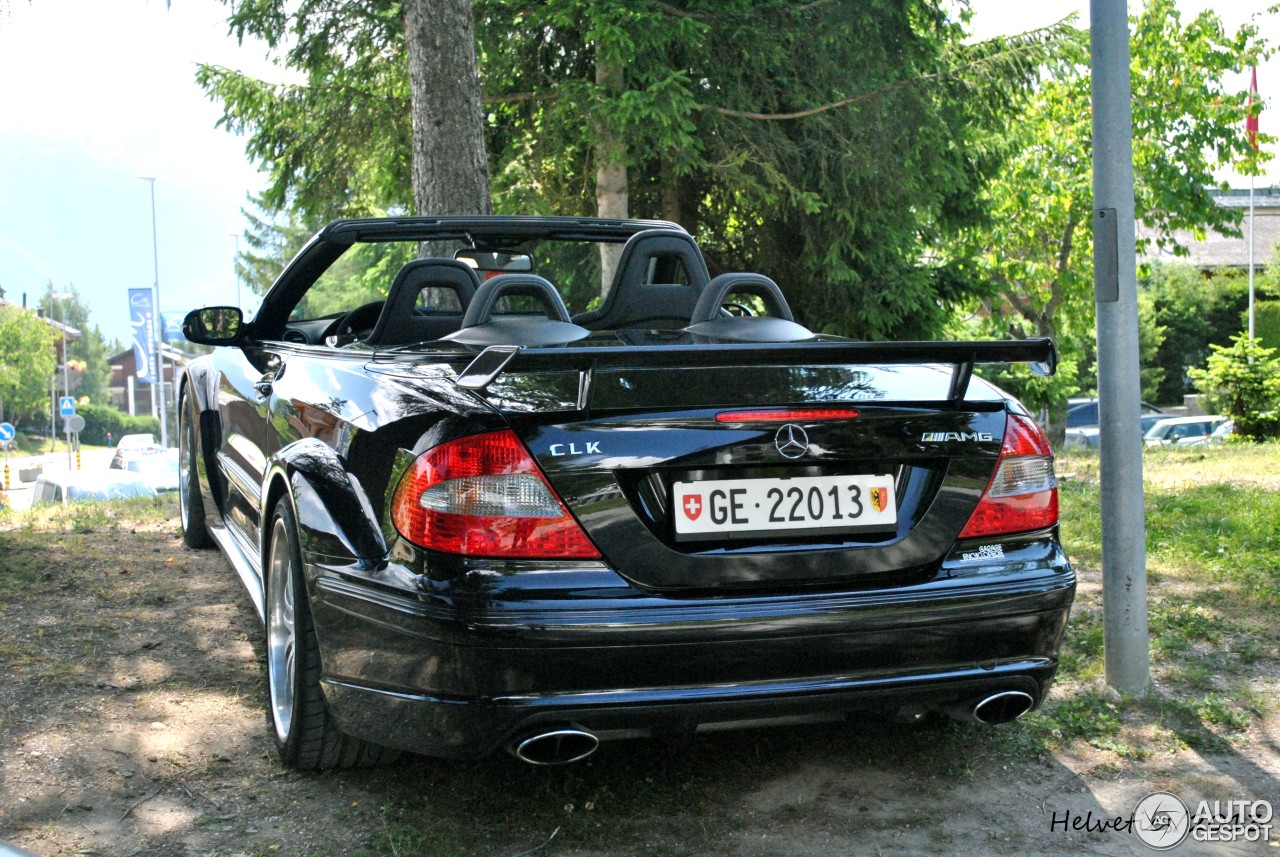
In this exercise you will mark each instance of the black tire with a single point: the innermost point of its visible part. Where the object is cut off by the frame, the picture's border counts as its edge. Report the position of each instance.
(297, 714)
(190, 501)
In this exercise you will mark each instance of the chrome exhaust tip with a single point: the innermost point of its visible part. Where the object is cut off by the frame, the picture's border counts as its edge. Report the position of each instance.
(1003, 707)
(559, 747)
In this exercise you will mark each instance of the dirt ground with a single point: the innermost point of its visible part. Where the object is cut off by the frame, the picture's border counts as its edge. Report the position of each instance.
(131, 723)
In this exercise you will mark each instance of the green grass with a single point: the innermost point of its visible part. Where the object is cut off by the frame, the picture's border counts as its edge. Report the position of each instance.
(1213, 570)
(93, 517)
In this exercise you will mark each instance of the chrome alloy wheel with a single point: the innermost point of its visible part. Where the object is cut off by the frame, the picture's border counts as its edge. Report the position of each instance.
(282, 637)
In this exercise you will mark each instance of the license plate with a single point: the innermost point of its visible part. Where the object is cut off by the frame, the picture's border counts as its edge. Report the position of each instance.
(747, 508)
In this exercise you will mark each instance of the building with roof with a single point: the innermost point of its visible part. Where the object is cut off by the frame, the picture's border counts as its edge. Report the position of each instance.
(1216, 250)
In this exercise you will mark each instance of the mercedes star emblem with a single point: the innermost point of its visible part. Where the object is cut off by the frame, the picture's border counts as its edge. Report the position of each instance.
(791, 441)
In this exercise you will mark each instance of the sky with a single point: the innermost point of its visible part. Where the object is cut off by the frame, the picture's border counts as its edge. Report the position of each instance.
(96, 94)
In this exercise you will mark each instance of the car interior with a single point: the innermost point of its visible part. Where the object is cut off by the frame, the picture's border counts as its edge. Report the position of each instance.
(661, 284)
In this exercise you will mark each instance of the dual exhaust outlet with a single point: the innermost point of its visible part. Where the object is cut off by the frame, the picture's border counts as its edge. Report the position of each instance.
(565, 746)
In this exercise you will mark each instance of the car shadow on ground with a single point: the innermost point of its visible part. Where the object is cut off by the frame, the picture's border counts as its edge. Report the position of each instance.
(133, 724)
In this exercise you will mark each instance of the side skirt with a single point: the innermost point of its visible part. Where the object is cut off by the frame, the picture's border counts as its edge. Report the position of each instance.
(246, 561)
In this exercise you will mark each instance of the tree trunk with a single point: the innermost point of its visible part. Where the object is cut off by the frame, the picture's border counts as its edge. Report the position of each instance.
(612, 199)
(450, 167)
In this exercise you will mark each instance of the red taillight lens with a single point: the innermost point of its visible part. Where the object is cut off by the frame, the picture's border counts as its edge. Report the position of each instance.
(1023, 492)
(484, 495)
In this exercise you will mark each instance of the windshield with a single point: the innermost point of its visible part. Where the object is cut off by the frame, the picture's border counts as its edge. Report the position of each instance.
(365, 272)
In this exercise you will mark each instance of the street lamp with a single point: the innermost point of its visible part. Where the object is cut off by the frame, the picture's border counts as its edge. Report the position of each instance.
(159, 340)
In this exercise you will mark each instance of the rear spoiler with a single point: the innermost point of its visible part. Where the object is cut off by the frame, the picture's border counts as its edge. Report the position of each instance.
(963, 356)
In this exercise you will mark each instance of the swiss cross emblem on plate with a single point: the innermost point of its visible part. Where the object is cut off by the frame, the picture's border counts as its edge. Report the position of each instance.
(692, 505)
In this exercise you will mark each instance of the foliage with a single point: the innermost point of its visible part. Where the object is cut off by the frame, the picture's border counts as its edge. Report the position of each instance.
(1242, 381)
(1198, 310)
(835, 177)
(1266, 322)
(270, 241)
(1186, 125)
(1151, 335)
(93, 381)
(101, 419)
(27, 360)
(338, 142)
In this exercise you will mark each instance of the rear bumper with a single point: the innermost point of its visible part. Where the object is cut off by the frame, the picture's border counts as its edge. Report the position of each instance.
(500, 654)
(457, 728)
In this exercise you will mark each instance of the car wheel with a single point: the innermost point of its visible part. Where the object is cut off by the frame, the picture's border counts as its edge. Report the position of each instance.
(306, 735)
(190, 501)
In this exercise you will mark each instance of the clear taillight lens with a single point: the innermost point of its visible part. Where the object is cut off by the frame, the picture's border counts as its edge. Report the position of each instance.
(484, 495)
(1023, 492)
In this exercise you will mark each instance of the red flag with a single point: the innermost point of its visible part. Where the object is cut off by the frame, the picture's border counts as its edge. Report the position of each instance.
(1251, 121)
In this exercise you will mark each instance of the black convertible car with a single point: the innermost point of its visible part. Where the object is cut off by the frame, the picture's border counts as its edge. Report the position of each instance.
(472, 521)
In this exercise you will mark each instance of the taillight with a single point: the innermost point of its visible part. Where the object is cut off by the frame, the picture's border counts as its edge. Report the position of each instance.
(484, 495)
(1023, 493)
(787, 415)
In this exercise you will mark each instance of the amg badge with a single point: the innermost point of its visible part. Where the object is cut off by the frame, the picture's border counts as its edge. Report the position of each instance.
(944, 436)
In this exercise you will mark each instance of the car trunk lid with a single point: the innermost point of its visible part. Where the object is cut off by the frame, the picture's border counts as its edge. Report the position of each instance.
(810, 468)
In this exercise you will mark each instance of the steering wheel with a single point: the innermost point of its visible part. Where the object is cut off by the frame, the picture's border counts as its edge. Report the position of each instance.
(353, 325)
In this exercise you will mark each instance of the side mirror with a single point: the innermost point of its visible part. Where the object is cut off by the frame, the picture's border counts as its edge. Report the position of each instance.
(215, 325)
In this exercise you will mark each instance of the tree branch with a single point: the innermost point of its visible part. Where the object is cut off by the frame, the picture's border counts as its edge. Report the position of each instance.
(1056, 292)
(866, 96)
(709, 16)
(681, 13)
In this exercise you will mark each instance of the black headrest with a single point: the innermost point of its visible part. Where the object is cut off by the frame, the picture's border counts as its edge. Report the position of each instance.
(647, 284)
(399, 324)
(481, 307)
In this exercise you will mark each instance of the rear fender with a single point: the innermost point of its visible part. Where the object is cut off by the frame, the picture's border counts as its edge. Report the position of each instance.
(336, 521)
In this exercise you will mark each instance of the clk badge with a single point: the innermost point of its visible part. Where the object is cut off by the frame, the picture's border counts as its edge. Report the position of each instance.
(791, 441)
(692, 505)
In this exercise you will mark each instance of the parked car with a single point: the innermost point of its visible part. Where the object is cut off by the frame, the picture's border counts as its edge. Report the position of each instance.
(1083, 412)
(471, 521)
(1090, 437)
(1225, 429)
(132, 446)
(1182, 430)
(1083, 430)
(87, 486)
(160, 469)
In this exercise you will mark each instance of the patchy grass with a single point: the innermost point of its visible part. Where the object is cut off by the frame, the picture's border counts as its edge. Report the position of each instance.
(1213, 569)
(133, 670)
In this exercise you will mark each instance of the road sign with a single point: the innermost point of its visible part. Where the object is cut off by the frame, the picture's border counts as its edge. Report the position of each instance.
(74, 424)
(7, 432)
(66, 406)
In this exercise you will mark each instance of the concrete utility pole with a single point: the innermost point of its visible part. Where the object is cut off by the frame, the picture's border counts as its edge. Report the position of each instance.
(157, 321)
(1124, 557)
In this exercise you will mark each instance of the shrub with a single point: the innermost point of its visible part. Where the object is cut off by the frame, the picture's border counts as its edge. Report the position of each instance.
(100, 419)
(1242, 381)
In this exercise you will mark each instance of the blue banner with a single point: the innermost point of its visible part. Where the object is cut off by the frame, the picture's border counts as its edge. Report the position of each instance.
(140, 318)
